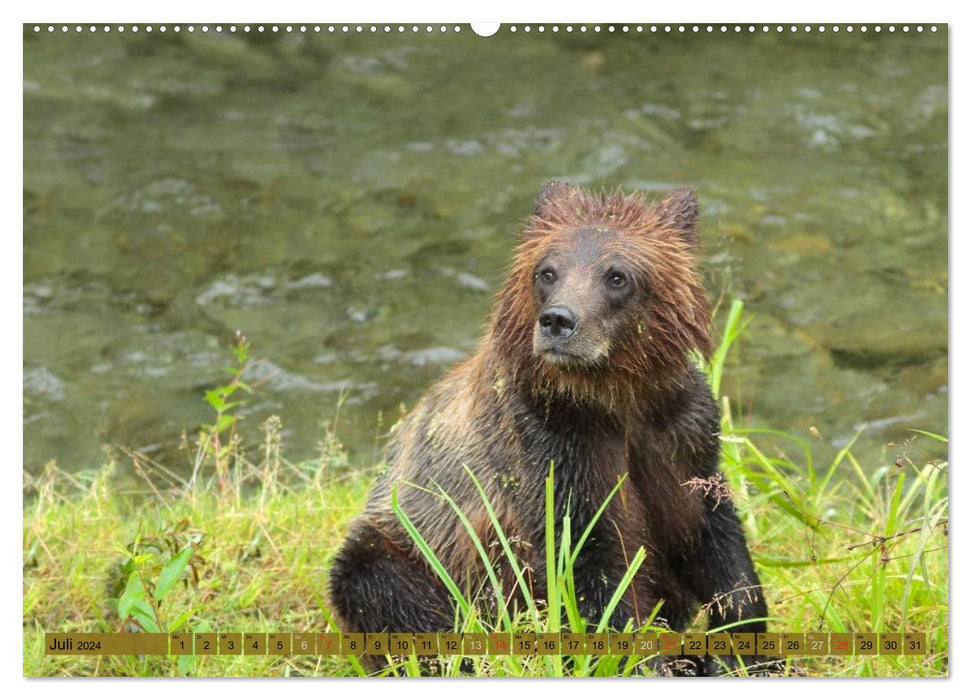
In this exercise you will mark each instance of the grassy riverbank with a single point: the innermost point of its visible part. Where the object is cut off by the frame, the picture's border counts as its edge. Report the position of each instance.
(244, 546)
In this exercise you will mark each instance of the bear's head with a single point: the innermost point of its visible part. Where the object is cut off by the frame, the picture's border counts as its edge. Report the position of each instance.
(604, 297)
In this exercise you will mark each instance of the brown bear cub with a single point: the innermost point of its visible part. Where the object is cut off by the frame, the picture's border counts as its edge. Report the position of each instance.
(585, 367)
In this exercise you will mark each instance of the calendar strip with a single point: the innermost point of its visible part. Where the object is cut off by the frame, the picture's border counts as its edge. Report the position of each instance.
(480, 644)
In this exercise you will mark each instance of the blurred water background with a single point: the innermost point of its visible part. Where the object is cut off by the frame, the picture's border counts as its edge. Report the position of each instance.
(350, 202)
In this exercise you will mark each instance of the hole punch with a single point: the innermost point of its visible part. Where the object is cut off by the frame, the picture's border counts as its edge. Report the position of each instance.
(485, 28)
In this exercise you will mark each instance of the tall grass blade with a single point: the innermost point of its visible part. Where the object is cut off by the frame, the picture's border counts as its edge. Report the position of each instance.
(507, 548)
(429, 555)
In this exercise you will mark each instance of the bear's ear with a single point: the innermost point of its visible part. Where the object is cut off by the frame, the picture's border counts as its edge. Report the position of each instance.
(551, 193)
(680, 211)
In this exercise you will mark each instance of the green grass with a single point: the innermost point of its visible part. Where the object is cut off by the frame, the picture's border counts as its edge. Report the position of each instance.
(244, 545)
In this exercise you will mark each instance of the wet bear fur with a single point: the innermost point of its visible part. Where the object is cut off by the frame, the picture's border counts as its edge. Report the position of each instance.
(585, 366)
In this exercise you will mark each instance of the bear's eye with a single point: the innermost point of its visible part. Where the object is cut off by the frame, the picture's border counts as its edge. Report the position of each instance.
(546, 276)
(616, 279)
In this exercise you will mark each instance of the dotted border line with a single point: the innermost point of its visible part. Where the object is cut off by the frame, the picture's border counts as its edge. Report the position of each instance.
(428, 28)
(243, 28)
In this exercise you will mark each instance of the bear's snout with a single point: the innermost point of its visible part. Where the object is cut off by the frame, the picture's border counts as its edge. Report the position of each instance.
(558, 322)
(561, 338)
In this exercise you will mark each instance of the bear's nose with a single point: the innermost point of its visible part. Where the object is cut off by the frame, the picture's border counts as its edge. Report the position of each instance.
(558, 322)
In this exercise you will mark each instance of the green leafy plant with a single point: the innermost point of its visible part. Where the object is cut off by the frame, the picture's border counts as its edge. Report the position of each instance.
(153, 568)
(219, 439)
(151, 574)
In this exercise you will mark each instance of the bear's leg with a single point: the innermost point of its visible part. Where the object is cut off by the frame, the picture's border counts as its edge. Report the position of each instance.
(595, 581)
(376, 587)
(719, 572)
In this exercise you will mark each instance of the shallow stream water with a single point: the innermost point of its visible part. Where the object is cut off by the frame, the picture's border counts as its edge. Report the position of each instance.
(350, 203)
